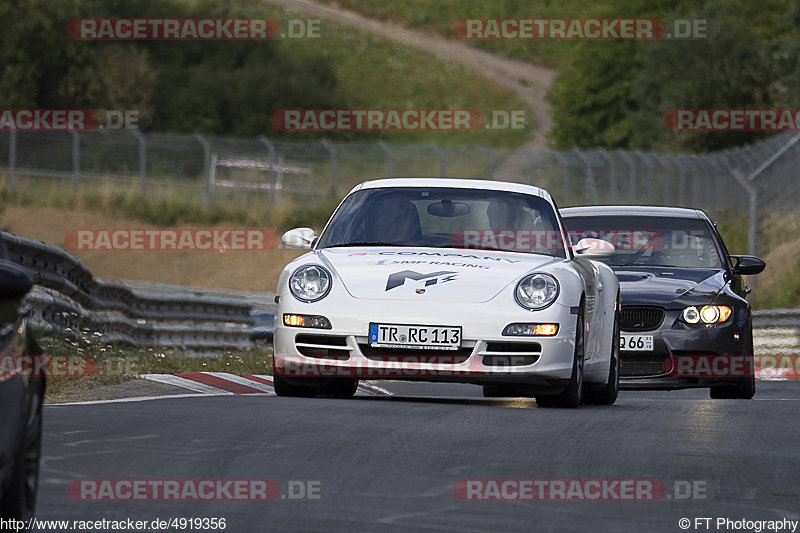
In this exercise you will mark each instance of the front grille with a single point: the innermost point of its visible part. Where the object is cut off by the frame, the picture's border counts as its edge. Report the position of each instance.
(323, 346)
(452, 357)
(640, 318)
(636, 366)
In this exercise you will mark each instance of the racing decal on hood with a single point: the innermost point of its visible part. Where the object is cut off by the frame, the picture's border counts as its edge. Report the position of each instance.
(399, 278)
(440, 254)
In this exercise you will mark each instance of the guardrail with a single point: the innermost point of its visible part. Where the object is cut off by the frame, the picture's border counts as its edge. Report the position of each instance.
(776, 331)
(70, 301)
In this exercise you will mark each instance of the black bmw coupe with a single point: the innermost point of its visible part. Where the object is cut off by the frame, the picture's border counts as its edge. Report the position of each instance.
(685, 321)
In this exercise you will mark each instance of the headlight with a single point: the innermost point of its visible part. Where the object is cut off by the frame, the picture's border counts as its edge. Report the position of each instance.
(310, 283)
(536, 291)
(709, 314)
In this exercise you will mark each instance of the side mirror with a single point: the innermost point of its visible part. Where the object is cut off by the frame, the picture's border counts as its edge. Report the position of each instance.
(301, 238)
(747, 265)
(593, 248)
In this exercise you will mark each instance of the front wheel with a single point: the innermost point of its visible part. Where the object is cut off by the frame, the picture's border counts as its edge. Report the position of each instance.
(572, 395)
(284, 387)
(20, 500)
(608, 394)
(341, 387)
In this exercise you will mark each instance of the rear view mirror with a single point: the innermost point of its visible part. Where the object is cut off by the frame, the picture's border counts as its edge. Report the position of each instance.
(448, 208)
(299, 238)
(747, 265)
(593, 248)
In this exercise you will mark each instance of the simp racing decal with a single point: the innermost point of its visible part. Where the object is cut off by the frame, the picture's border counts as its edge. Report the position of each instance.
(399, 278)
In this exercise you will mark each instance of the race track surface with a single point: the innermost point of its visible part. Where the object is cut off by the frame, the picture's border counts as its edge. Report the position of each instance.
(390, 463)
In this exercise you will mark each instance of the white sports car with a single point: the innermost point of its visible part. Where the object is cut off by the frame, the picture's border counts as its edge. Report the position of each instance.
(454, 280)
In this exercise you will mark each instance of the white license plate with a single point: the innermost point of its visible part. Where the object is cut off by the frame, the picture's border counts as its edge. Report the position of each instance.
(413, 336)
(636, 343)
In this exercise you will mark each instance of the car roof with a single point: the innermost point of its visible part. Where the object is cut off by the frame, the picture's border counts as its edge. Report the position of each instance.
(632, 210)
(456, 183)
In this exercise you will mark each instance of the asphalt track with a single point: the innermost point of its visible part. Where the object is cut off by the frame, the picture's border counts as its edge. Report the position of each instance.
(391, 463)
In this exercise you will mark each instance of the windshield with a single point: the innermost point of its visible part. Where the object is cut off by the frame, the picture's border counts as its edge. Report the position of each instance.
(441, 217)
(650, 241)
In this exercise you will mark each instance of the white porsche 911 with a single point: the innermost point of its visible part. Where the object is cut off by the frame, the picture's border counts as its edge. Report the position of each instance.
(454, 280)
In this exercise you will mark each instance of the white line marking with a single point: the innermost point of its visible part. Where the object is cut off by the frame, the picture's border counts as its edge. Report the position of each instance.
(135, 399)
(263, 387)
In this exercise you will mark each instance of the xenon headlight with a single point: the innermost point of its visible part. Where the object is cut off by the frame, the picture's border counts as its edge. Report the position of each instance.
(536, 291)
(708, 314)
(310, 283)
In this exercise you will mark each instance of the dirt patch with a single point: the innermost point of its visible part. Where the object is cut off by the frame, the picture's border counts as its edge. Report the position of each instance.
(255, 271)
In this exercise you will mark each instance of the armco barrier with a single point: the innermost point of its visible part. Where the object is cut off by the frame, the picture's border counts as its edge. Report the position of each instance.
(70, 301)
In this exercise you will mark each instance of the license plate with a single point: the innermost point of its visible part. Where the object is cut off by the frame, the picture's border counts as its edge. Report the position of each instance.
(413, 336)
(636, 343)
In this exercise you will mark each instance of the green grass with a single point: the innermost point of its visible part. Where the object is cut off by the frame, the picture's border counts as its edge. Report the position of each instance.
(377, 73)
(438, 17)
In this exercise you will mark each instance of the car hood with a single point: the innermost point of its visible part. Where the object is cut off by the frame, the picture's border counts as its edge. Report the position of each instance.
(666, 286)
(428, 273)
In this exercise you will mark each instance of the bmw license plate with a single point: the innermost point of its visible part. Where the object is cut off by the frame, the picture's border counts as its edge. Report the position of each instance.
(413, 336)
(636, 343)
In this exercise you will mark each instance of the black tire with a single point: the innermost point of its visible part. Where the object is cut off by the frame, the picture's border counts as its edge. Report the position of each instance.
(285, 388)
(341, 387)
(20, 500)
(572, 395)
(609, 393)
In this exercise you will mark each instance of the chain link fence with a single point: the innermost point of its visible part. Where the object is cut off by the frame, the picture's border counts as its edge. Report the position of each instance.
(755, 182)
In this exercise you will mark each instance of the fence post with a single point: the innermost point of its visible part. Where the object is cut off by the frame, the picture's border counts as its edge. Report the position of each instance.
(76, 162)
(442, 159)
(631, 174)
(612, 173)
(589, 190)
(12, 160)
(142, 160)
(272, 177)
(206, 166)
(564, 177)
(489, 159)
(649, 166)
(332, 150)
(390, 156)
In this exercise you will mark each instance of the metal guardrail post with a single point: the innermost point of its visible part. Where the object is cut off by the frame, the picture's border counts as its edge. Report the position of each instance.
(12, 160)
(206, 166)
(142, 160)
(272, 175)
(390, 156)
(332, 150)
(442, 159)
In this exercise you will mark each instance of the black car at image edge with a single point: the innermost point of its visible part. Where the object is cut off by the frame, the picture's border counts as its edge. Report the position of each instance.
(682, 294)
(21, 398)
